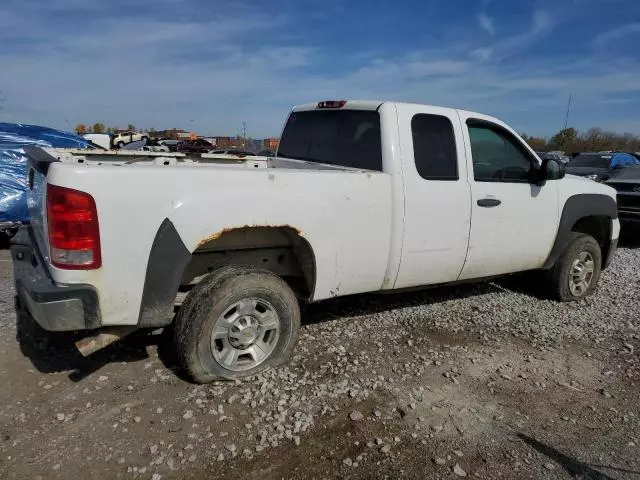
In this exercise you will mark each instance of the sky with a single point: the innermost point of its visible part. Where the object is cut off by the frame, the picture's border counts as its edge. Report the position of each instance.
(209, 65)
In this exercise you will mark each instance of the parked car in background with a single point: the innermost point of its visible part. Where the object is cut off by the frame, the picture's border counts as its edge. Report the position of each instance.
(363, 196)
(600, 166)
(626, 181)
(233, 151)
(171, 144)
(199, 145)
(555, 155)
(121, 139)
(168, 141)
(154, 145)
(99, 139)
(266, 153)
(154, 148)
(559, 155)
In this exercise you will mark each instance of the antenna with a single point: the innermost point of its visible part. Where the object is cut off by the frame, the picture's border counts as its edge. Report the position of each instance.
(566, 120)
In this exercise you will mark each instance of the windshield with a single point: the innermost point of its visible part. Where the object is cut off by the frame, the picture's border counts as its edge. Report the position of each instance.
(349, 138)
(594, 160)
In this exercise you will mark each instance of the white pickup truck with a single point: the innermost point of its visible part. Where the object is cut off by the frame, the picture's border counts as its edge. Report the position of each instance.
(361, 197)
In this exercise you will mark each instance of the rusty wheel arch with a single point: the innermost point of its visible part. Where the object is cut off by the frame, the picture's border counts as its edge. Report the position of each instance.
(282, 249)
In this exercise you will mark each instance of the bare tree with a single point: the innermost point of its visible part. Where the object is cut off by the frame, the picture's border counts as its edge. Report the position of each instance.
(592, 140)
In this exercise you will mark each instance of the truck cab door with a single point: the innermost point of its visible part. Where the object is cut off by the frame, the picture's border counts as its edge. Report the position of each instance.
(513, 220)
(437, 197)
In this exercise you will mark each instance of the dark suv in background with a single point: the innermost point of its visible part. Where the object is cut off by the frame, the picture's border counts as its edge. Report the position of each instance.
(600, 166)
(200, 145)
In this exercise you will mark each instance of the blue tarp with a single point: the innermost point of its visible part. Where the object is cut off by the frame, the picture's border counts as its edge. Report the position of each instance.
(623, 160)
(13, 163)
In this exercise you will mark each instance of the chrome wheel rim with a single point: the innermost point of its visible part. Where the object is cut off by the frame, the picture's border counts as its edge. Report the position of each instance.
(581, 274)
(245, 335)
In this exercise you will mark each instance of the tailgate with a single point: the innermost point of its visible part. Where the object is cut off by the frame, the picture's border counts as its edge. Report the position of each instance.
(37, 167)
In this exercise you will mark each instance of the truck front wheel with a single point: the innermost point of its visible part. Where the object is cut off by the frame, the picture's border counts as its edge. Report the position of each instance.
(236, 322)
(575, 274)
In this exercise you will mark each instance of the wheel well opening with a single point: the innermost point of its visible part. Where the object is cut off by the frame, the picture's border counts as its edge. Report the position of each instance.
(597, 226)
(281, 250)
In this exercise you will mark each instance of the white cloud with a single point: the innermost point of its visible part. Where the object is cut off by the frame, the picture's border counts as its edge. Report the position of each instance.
(486, 23)
(541, 25)
(210, 75)
(482, 54)
(622, 32)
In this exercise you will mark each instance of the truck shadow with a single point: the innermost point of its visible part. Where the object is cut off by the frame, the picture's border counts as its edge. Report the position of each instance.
(56, 352)
(372, 303)
(574, 467)
(51, 352)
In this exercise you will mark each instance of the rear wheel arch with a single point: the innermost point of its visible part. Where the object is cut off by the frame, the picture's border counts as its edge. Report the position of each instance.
(280, 250)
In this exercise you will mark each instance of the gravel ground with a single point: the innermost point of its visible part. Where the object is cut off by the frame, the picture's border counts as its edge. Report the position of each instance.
(482, 381)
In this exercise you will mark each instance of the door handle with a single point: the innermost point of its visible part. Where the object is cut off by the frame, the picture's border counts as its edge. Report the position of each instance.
(489, 202)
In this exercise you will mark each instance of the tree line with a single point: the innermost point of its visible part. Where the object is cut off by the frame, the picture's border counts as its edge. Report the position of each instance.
(593, 140)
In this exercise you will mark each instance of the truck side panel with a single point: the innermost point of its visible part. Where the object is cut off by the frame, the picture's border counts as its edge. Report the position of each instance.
(344, 215)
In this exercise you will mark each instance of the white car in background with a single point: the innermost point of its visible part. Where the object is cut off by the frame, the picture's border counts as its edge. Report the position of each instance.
(121, 139)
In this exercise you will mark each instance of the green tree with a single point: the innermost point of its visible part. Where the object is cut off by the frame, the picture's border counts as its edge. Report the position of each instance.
(98, 128)
(564, 139)
(537, 143)
(81, 129)
(131, 127)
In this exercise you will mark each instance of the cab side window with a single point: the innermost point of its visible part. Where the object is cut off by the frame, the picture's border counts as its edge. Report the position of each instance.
(434, 147)
(497, 155)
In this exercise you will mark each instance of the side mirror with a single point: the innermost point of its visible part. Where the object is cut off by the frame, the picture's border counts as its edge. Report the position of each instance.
(552, 169)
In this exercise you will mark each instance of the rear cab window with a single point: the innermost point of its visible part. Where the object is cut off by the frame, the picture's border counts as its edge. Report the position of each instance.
(348, 138)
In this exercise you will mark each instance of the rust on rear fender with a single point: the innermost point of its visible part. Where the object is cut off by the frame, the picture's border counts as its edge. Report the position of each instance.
(216, 235)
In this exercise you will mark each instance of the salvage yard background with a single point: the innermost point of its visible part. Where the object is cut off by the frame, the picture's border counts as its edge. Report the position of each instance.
(479, 381)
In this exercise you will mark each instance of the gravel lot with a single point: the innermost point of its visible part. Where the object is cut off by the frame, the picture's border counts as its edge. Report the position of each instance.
(482, 381)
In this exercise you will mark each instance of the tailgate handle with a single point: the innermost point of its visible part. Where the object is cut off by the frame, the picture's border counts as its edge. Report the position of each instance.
(489, 202)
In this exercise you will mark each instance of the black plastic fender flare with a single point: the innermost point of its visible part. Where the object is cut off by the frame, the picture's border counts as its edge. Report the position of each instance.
(167, 260)
(575, 208)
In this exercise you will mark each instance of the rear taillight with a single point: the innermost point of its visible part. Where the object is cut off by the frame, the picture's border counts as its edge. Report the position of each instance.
(74, 236)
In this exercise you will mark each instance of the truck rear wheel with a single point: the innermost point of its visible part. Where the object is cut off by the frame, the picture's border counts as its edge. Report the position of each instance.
(575, 274)
(236, 322)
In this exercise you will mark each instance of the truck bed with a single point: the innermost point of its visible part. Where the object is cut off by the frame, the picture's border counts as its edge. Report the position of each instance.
(130, 157)
(343, 213)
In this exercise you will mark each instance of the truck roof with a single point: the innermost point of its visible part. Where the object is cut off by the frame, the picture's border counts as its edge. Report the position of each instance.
(375, 104)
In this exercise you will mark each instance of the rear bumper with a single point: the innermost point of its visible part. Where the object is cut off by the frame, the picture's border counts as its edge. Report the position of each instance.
(54, 307)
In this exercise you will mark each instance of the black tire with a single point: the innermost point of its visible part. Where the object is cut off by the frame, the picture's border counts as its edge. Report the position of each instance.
(5, 238)
(210, 299)
(144, 139)
(560, 273)
(120, 144)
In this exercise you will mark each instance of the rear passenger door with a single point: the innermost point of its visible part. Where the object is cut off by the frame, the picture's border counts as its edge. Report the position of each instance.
(437, 196)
